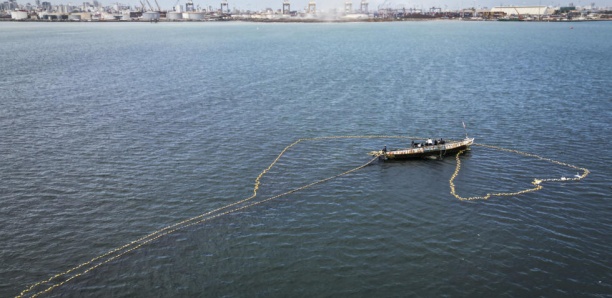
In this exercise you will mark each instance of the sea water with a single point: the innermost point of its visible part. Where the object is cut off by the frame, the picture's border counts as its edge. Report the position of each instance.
(112, 131)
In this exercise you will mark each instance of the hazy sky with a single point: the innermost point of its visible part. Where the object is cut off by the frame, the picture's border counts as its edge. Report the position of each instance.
(373, 4)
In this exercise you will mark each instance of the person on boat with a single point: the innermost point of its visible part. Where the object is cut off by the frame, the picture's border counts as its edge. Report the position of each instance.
(429, 142)
(412, 144)
(441, 141)
(384, 149)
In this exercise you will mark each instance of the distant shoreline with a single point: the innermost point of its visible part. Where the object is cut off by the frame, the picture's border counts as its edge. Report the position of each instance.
(254, 20)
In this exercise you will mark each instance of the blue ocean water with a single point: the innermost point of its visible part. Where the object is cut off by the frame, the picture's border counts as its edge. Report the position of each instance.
(111, 132)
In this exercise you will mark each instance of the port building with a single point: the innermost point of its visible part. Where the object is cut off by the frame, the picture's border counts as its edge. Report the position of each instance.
(19, 15)
(519, 11)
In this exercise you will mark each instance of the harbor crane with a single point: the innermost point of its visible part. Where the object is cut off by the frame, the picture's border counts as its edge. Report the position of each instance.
(225, 5)
(383, 9)
(364, 6)
(518, 14)
(312, 7)
(383, 5)
(348, 7)
(150, 6)
(159, 8)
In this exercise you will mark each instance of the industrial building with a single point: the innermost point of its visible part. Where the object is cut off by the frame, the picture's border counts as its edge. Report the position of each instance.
(522, 10)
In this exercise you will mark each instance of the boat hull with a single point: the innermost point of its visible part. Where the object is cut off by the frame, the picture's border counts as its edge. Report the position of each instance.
(428, 151)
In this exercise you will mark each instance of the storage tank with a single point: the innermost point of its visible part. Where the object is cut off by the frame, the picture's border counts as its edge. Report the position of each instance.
(195, 15)
(173, 15)
(150, 16)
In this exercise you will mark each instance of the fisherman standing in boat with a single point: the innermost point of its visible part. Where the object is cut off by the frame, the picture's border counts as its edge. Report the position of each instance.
(384, 149)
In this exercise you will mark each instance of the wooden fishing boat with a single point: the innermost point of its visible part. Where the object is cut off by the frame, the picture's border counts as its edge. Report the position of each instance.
(425, 149)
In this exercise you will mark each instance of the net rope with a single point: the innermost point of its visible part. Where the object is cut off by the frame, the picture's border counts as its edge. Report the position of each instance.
(57, 280)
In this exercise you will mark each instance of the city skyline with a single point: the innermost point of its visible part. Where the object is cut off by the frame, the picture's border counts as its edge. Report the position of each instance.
(327, 5)
(374, 4)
